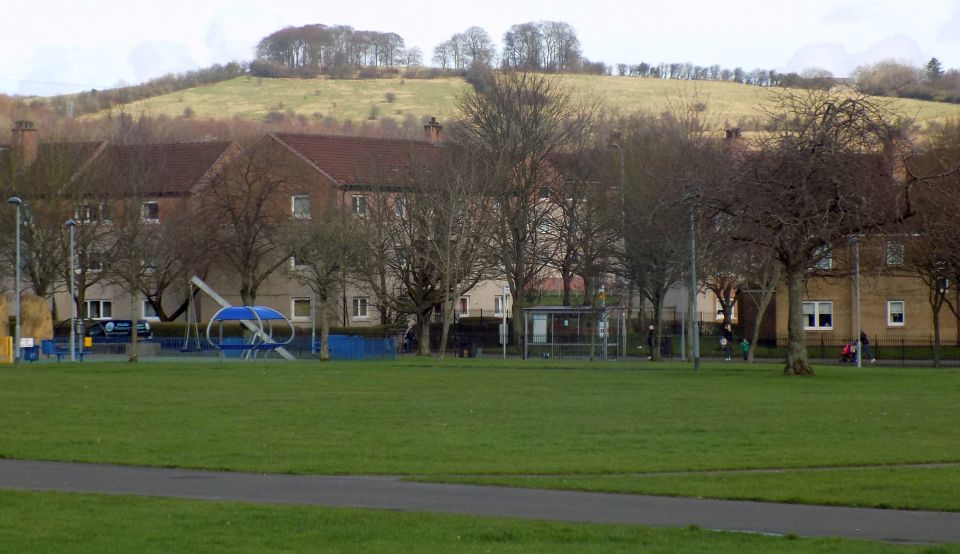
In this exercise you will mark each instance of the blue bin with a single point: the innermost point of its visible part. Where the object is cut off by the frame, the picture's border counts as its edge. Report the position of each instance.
(30, 354)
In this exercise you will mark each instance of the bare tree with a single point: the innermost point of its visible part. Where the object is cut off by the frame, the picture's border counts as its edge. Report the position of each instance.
(324, 248)
(515, 124)
(828, 171)
(249, 202)
(427, 242)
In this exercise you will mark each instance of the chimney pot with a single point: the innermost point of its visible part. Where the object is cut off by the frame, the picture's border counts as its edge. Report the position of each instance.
(25, 141)
(432, 130)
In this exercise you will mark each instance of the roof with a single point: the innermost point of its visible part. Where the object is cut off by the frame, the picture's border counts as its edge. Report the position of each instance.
(358, 160)
(56, 162)
(163, 169)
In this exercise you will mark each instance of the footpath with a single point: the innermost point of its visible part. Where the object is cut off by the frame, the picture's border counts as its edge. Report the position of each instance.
(392, 493)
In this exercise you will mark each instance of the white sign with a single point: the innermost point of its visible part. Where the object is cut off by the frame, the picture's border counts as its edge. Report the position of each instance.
(26, 342)
(603, 329)
(506, 289)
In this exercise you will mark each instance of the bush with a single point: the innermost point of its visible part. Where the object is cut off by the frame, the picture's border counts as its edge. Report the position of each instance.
(390, 97)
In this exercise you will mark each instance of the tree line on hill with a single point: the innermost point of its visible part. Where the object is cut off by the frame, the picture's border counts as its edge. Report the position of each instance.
(902, 80)
(534, 181)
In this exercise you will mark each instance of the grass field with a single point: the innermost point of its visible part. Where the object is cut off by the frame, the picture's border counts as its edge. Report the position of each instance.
(74, 523)
(592, 425)
(253, 98)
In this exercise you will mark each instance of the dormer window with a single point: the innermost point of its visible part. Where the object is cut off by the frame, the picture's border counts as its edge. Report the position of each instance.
(150, 212)
(359, 205)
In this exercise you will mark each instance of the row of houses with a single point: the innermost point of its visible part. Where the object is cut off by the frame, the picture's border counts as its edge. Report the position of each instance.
(340, 170)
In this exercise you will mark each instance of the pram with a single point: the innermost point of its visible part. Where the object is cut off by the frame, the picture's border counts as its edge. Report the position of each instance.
(848, 353)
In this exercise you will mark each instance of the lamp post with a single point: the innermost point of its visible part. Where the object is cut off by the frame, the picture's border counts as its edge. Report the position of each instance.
(624, 313)
(16, 201)
(72, 225)
(504, 331)
(694, 328)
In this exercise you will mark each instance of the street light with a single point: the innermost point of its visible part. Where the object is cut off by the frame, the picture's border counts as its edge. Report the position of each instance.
(16, 201)
(624, 313)
(72, 225)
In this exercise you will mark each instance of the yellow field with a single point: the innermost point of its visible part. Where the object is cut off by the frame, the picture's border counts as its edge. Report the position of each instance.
(254, 98)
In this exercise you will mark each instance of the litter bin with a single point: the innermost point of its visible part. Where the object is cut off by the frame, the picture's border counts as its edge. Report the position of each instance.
(30, 353)
(666, 347)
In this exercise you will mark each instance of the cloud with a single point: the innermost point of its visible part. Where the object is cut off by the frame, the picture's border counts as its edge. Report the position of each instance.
(156, 58)
(951, 29)
(835, 57)
(234, 31)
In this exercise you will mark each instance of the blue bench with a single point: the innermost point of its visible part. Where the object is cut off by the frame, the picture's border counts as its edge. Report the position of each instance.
(51, 348)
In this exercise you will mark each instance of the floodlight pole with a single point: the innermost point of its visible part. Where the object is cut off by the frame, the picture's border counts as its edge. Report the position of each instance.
(16, 201)
(624, 313)
(856, 286)
(72, 225)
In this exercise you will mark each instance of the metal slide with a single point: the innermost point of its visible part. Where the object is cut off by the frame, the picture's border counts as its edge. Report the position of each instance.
(198, 282)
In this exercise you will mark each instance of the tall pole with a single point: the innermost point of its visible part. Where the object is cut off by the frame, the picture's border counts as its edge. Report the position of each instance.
(694, 328)
(856, 286)
(73, 291)
(16, 201)
(504, 332)
(624, 314)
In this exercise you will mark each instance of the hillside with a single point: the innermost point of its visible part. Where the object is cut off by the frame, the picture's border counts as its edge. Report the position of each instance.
(255, 98)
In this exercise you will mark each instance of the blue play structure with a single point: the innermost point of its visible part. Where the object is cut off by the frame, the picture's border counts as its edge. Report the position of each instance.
(260, 320)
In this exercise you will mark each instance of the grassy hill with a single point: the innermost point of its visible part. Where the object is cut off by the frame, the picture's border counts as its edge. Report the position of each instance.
(255, 98)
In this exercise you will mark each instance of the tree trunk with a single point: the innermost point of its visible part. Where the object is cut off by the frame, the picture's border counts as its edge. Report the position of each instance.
(134, 339)
(519, 303)
(445, 327)
(797, 361)
(936, 306)
(324, 329)
(765, 299)
(657, 354)
(423, 320)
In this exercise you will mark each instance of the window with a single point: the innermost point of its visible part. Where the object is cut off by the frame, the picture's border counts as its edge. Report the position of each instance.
(893, 255)
(818, 315)
(296, 262)
(400, 206)
(733, 311)
(498, 305)
(92, 213)
(895, 313)
(99, 309)
(359, 205)
(149, 265)
(300, 309)
(151, 212)
(360, 307)
(463, 307)
(823, 257)
(300, 205)
(93, 261)
(149, 312)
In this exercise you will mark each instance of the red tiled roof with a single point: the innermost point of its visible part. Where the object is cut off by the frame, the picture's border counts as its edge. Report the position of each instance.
(170, 168)
(360, 160)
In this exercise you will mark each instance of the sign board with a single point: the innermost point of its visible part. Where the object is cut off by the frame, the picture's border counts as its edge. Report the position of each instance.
(26, 342)
(603, 329)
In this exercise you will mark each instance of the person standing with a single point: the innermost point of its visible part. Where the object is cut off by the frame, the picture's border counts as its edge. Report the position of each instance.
(865, 351)
(745, 346)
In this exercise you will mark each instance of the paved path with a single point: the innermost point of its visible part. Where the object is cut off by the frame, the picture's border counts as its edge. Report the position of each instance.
(395, 494)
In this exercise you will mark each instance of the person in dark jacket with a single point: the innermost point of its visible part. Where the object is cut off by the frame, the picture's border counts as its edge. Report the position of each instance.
(865, 351)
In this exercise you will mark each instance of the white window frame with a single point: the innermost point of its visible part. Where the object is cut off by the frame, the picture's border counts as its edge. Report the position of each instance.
(296, 266)
(293, 206)
(498, 305)
(90, 212)
(817, 313)
(293, 308)
(143, 211)
(824, 256)
(357, 303)
(144, 306)
(903, 313)
(400, 206)
(359, 205)
(101, 303)
(97, 257)
(460, 304)
(893, 252)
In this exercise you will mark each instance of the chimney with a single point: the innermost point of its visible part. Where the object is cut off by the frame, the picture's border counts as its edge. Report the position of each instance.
(431, 131)
(25, 142)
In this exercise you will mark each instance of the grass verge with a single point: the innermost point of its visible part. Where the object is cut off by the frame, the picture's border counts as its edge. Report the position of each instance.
(82, 523)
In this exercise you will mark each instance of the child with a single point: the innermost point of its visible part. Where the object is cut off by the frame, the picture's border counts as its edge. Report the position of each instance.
(745, 346)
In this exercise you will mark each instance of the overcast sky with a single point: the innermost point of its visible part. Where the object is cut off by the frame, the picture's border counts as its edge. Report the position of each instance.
(55, 46)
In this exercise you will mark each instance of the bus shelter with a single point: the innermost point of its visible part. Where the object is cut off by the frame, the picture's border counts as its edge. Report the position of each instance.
(573, 332)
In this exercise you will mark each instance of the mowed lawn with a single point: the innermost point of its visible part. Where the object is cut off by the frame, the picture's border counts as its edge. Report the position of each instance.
(591, 424)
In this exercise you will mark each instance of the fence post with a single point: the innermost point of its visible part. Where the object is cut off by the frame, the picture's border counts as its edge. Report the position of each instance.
(903, 352)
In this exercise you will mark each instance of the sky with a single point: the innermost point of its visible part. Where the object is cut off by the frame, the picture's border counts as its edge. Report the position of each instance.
(57, 46)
